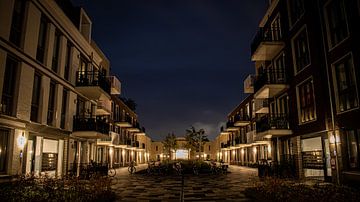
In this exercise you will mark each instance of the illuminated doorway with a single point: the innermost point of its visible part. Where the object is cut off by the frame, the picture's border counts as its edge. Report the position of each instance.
(182, 154)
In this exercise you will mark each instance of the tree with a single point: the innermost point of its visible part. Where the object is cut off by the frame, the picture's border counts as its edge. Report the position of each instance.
(170, 143)
(196, 140)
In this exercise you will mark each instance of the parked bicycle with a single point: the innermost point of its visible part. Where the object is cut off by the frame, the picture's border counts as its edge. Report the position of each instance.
(131, 167)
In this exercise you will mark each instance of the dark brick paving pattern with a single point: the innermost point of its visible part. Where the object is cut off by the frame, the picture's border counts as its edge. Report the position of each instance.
(205, 187)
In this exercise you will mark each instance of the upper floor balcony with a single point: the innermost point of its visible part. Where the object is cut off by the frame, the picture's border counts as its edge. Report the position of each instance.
(273, 125)
(115, 85)
(249, 84)
(124, 121)
(261, 106)
(92, 128)
(266, 44)
(270, 83)
(241, 120)
(134, 128)
(103, 107)
(141, 131)
(223, 131)
(230, 126)
(93, 84)
(113, 139)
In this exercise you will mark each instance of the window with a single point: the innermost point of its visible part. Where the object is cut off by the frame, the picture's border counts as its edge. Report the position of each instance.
(276, 28)
(336, 22)
(279, 69)
(67, 61)
(353, 148)
(296, 10)
(283, 105)
(17, 22)
(51, 105)
(345, 84)
(55, 58)
(301, 50)
(35, 101)
(63, 108)
(40, 54)
(156, 148)
(4, 137)
(7, 98)
(306, 101)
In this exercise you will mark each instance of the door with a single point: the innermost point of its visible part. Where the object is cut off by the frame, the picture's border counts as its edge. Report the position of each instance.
(30, 157)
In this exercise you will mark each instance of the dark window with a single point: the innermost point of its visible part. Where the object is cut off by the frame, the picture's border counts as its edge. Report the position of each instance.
(157, 148)
(68, 61)
(17, 22)
(353, 148)
(35, 101)
(296, 10)
(301, 51)
(4, 136)
(63, 108)
(336, 21)
(307, 101)
(80, 108)
(40, 54)
(347, 97)
(55, 58)
(209, 147)
(51, 105)
(7, 99)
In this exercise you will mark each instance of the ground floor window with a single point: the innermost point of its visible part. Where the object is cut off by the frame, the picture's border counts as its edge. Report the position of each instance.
(4, 137)
(312, 157)
(49, 155)
(353, 146)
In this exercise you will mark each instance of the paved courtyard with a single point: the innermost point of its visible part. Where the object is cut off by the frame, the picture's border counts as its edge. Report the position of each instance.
(205, 187)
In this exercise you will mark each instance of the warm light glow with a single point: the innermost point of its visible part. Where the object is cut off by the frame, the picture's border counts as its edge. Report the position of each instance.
(332, 139)
(197, 156)
(254, 149)
(269, 148)
(233, 152)
(123, 152)
(132, 153)
(242, 151)
(111, 150)
(161, 155)
(21, 140)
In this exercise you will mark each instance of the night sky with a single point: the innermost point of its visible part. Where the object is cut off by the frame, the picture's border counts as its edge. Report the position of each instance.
(182, 61)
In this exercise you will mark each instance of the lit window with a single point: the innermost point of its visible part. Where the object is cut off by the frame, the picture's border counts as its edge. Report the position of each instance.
(306, 101)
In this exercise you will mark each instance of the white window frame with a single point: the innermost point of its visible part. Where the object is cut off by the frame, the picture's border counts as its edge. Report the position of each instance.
(335, 83)
(293, 50)
(298, 101)
(330, 43)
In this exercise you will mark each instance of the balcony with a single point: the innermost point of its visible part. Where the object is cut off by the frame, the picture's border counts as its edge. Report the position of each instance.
(141, 132)
(241, 120)
(134, 128)
(91, 128)
(93, 84)
(231, 127)
(249, 84)
(223, 131)
(266, 44)
(115, 87)
(261, 106)
(124, 122)
(272, 125)
(113, 139)
(270, 83)
(103, 108)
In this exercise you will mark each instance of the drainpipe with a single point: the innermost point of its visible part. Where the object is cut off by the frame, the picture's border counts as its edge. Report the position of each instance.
(330, 93)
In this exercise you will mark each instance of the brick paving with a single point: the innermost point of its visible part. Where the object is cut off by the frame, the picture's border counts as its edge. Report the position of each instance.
(205, 187)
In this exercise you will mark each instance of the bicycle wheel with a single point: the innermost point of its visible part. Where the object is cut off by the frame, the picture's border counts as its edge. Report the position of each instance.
(111, 172)
(132, 169)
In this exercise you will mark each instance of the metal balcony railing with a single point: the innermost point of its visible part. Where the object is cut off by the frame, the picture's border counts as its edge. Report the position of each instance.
(265, 34)
(93, 78)
(229, 124)
(239, 117)
(98, 124)
(270, 76)
(272, 121)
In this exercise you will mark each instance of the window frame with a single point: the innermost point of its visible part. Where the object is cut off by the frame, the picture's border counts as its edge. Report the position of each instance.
(292, 24)
(331, 46)
(311, 79)
(296, 71)
(11, 79)
(18, 30)
(38, 97)
(335, 85)
(42, 39)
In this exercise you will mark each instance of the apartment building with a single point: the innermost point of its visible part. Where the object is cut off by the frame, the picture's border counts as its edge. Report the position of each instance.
(304, 91)
(57, 91)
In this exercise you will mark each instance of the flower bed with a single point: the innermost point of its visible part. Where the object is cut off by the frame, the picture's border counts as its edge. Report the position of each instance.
(284, 190)
(52, 189)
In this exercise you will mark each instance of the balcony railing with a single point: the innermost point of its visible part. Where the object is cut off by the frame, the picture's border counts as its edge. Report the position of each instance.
(229, 124)
(265, 35)
(115, 85)
(93, 78)
(98, 124)
(269, 76)
(239, 117)
(272, 121)
(249, 84)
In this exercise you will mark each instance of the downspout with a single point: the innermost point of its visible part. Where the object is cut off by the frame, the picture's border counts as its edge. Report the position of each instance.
(330, 93)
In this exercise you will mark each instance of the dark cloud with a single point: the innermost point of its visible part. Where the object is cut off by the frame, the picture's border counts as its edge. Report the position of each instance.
(182, 61)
